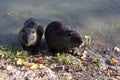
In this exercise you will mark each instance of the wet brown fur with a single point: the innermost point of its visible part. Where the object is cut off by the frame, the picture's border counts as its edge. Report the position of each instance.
(60, 38)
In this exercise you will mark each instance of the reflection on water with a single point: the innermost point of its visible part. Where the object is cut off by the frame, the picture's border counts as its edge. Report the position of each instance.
(101, 17)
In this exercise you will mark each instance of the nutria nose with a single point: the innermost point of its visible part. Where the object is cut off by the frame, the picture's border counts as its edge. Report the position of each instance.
(28, 41)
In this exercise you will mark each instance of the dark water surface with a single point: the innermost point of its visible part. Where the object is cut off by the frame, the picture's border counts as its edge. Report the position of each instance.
(96, 17)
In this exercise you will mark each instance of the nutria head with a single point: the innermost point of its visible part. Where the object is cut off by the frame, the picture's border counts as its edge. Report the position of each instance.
(72, 39)
(28, 36)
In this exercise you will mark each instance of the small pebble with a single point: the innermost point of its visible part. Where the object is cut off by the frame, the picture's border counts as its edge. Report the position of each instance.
(26, 78)
(10, 73)
(9, 67)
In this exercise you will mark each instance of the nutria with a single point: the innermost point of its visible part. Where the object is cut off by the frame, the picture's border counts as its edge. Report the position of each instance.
(60, 38)
(30, 35)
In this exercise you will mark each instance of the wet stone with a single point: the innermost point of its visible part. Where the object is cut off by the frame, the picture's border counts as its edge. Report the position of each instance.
(10, 74)
(26, 78)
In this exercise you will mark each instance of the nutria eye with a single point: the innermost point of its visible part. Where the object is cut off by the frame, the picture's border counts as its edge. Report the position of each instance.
(23, 31)
(69, 34)
(33, 31)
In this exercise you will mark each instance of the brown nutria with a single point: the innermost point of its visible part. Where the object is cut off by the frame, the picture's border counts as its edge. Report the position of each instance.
(60, 38)
(30, 35)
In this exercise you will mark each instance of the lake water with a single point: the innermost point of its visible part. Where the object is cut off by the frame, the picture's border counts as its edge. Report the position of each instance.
(93, 17)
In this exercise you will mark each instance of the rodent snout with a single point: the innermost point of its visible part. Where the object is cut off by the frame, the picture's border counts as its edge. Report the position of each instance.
(77, 40)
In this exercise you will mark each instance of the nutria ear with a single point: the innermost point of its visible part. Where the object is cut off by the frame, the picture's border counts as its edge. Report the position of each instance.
(40, 29)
